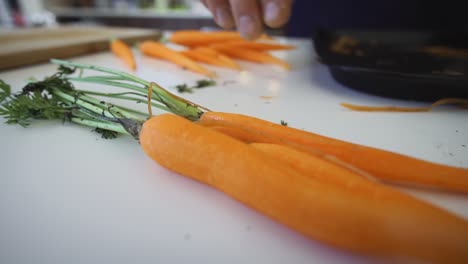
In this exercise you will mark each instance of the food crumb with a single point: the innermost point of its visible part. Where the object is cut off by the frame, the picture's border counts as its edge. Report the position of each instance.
(228, 82)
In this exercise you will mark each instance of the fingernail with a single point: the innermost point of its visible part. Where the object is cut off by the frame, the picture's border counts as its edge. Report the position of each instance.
(272, 12)
(247, 27)
(224, 17)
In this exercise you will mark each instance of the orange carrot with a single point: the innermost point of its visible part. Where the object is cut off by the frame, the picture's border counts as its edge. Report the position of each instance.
(258, 138)
(196, 55)
(123, 51)
(250, 55)
(200, 38)
(242, 135)
(314, 166)
(260, 46)
(385, 165)
(211, 52)
(385, 223)
(158, 50)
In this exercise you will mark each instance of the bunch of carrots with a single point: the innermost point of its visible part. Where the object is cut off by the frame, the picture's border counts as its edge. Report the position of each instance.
(327, 189)
(219, 48)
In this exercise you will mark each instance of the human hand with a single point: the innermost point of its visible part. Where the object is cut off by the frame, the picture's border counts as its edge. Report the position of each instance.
(249, 16)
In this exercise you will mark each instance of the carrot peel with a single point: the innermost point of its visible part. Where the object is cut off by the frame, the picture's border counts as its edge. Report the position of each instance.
(463, 103)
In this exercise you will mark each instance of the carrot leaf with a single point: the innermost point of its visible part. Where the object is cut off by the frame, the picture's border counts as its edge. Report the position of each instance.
(5, 90)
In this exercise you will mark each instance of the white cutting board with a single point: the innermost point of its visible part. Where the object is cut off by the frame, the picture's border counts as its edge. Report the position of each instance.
(68, 196)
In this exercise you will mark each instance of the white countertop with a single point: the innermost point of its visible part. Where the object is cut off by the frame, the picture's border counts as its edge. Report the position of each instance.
(68, 196)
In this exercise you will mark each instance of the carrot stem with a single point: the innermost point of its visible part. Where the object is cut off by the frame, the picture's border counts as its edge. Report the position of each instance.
(100, 124)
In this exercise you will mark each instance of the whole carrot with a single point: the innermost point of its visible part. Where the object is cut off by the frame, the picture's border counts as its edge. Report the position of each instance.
(382, 223)
(385, 165)
(158, 50)
(123, 51)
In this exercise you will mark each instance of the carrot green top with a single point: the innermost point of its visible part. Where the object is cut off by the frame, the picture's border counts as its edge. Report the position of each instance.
(56, 97)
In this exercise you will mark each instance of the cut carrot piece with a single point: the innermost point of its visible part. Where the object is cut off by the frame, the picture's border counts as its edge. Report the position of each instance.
(199, 56)
(250, 55)
(200, 38)
(123, 51)
(228, 61)
(158, 50)
(260, 46)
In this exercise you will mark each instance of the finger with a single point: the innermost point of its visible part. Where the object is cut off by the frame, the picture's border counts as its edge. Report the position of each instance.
(221, 12)
(247, 16)
(276, 13)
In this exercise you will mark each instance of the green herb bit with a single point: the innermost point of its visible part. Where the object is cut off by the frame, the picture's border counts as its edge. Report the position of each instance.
(106, 134)
(284, 123)
(205, 83)
(183, 88)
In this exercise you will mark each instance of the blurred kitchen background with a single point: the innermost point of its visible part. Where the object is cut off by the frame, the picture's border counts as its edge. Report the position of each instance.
(158, 14)
(162, 14)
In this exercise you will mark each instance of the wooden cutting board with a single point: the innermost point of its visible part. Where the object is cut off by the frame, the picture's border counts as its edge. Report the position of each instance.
(21, 47)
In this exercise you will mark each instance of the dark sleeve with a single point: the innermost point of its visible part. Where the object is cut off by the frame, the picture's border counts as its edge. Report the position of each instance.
(310, 15)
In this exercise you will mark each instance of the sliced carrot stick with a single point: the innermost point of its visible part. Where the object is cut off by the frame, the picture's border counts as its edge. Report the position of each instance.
(388, 166)
(196, 55)
(260, 46)
(200, 38)
(250, 55)
(211, 52)
(158, 50)
(123, 51)
(385, 222)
